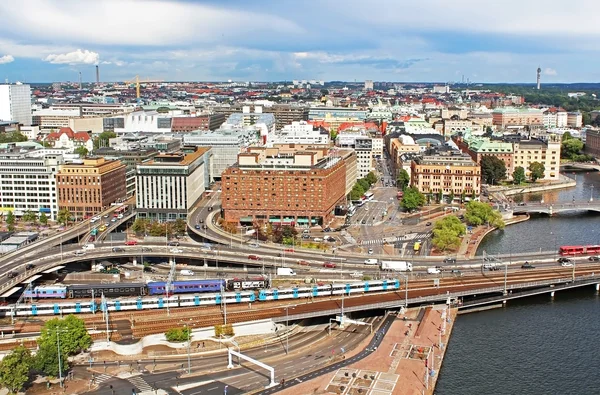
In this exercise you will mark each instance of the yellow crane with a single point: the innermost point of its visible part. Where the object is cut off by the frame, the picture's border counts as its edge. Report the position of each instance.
(136, 80)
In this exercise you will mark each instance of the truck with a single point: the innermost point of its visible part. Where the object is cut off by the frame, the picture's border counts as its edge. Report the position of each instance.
(285, 271)
(396, 266)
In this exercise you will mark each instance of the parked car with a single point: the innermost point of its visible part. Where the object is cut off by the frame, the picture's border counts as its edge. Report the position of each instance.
(329, 265)
(527, 265)
(11, 274)
(131, 243)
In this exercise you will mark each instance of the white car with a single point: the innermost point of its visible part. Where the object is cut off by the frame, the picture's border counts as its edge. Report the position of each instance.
(371, 261)
(370, 251)
(176, 250)
(567, 264)
(186, 272)
(79, 253)
(433, 270)
(356, 274)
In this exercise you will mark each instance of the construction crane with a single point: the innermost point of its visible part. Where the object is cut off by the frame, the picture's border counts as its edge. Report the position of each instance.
(136, 80)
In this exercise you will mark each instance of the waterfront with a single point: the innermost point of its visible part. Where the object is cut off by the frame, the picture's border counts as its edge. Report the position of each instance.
(548, 233)
(533, 346)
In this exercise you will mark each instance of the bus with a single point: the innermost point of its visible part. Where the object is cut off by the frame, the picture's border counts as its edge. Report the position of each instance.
(351, 211)
(417, 246)
(120, 210)
(368, 196)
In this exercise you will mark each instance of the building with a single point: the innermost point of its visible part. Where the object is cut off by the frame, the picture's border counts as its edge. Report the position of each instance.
(362, 145)
(335, 116)
(478, 147)
(592, 142)
(368, 85)
(574, 119)
(300, 132)
(95, 109)
(284, 113)
(451, 172)
(141, 121)
(199, 122)
(28, 183)
(169, 186)
(545, 152)
(284, 186)
(15, 103)
(264, 121)
(51, 118)
(130, 156)
(506, 117)
(226, 143)
(87, 188)
(69, 140)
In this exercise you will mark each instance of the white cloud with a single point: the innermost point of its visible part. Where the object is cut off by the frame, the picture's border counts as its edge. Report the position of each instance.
(549, 71)
(76, 57)
(6, 59)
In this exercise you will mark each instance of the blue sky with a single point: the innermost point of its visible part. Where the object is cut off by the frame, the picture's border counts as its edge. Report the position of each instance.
(273, 40)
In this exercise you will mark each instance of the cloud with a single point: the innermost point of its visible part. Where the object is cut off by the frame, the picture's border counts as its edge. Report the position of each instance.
(6, 59)
(76, 57)
(549, 71)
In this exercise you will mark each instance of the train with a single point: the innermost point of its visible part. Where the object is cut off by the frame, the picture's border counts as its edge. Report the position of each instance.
(145, 302)
(60, 291)
(579, 250)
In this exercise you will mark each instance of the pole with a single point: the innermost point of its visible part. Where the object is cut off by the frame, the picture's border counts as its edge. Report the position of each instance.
(106, 317)
(287, 330)
(506, 273)
(224, 302)
(188, 350)
(59, 361)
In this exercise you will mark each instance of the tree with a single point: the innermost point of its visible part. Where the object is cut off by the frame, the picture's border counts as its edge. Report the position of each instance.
(463, 196)
(536, 171)
(493, 169)
(403, 179)
(64, 216)
(177, 335)
(15, 368)
(356, 192)
(570, 148)
(43, 219)
(447, 233)
(479, 213)
(371, 178)
(440, 196)
(29, 216)
(46, 360)
(179, 226)
(139, 225)
(10, 221)
(518, 175)
(412, 199)
(102, 139)
(324, 92)
(81, 151)
(13, 137)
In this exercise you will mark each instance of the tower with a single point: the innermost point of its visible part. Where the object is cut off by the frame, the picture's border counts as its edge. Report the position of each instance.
(97, 75)
(539, 74)
(80, 81)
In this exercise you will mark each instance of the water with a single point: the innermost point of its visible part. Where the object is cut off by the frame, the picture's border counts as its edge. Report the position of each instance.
(548, 233)
(535, 346)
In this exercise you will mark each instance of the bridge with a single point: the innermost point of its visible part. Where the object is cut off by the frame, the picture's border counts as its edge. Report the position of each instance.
(580, 166)
(555, 208)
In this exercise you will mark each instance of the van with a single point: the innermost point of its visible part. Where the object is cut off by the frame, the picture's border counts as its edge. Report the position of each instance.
(433, 270)
(186, 272)
(88, 247)
(306, 231)
(317, 240)
(371, 261)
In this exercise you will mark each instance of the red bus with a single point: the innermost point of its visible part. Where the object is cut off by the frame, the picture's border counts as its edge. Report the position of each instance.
(579, 250)
(120, 210)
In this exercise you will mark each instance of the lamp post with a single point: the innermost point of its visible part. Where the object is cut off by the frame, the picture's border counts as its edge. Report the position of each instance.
(592, 193)
(60, 380)
(189, 331)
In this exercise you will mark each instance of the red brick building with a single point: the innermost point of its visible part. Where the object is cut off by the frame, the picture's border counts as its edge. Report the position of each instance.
(592, 142)
(282, 187)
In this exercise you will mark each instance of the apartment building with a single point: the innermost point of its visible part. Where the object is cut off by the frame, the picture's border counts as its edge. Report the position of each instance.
(28, 183)
(300, 132)
(592, 142)
(284, 186)
(478, 147)
(15, 103)
(545, 152)
(171, 183)
(505, 117)
(200, 122)
(87, 188)
(335, 116)
(284, 114)
(68, 139)
(362, 145)
(574, 119)
(450, 172)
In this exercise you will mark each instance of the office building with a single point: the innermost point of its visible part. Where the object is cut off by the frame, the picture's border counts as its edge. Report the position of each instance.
(545, 152)
(284, 113)
(451, 172)
(507, 117)
(300, 132)
(200, 122)
(169, 185)
(592, 142)
(87, 188)
(335, 116)
(15, 103)
(282, 186)
(28, 183)
(574, 119)
(362, 144)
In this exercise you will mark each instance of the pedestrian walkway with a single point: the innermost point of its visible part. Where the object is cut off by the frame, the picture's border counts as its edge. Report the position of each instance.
(396, 239)
(101, 378)
(140, 383)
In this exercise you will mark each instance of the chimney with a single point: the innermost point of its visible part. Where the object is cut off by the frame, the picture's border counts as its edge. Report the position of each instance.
(97, 74)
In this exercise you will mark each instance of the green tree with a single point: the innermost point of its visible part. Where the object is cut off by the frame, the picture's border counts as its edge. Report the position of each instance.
(15, 368)
(81, 151)
(102, 139)
(412, 199)
(536, 171)
(356, 192)
(333, 134)
(518, 175)
(158, 230)
(493, 169)
(463, 196)
(403, 179)
(570, 148)
(447, 233)
(10, 221)
(179, 226)
(29, 216)
(479, 213)
(364, 184)
(43, 219)
(13, 137)
(64, 216)
(324, 92)
(139, 225)
(177, 335)
(46, 360)
(371, 178)
(440, 196)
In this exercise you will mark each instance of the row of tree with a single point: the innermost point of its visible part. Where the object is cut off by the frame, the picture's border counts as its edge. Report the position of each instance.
(493, 171)
(571, 149)
(142, 226)
(17, 367)
(362, 186)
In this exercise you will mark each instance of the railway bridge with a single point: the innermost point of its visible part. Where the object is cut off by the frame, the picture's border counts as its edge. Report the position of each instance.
(555, 208)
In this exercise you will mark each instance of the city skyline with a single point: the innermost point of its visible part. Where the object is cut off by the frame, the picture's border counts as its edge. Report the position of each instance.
(44, 41)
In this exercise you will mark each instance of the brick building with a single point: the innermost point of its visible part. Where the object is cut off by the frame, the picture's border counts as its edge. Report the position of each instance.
(517, 117)
(200, 122)
(281, 186)
(88, 188)
(592, 142)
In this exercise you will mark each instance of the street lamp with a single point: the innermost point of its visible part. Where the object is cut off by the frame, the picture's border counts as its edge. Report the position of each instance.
(59, 359)
(592, 193)
(189, 331)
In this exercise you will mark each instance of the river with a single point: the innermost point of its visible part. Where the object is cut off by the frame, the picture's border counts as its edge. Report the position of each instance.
(535, 345)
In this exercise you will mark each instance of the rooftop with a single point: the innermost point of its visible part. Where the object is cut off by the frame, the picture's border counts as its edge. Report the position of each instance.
(177, 158)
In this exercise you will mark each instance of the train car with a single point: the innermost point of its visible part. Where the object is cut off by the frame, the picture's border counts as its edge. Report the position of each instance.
(579, 250)
(46, 292)
(109, 290)
(247, 283)
(189, 286)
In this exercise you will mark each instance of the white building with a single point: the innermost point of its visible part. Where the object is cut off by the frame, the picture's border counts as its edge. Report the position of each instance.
(171, 184)
(226, 143)
(362, 145)
(69, 140)
(52, 118)
(15, 103)
(300, 132)
(265, 121)
(28, 183)
(143, 121)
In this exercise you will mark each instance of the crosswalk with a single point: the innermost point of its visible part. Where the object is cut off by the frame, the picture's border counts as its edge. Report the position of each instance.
(396, 239)
(100, 378)
(140, 383)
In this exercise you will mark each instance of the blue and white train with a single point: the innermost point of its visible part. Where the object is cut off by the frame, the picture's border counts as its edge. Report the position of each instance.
(203, 299)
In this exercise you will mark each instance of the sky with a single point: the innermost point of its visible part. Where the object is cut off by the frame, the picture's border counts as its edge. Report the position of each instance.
(282, 40)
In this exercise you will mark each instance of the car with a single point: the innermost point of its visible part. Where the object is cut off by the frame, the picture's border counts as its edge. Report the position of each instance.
(306, 236)
(562, 259)
(254, 245)
(317, 240)
(364, 221)
(327, 229)
(450, 260)
(146, 249)
(204, 226)
(197, 227)
(210, 208)
(29, 266)
(254, 257)
(370, 252)
(288, 250)
(371, 261)
(428, 224)
(105, 216)
(175, 250)
(200, 221)
(594, 258)
(567, 264)
(120, 216)
(456, 272)
(433, 270)
(92, 239)
(173, 244)
(303, 262)
(527, 265)
(131, 243)
(11, 274)
(494, 268)
(79, 253)
(118, 249)
(329, 265)
(356, 274)
(186, 272)
(149, 269)
(113, 220)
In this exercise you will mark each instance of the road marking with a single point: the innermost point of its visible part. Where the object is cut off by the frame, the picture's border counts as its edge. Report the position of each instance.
(194, 385)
